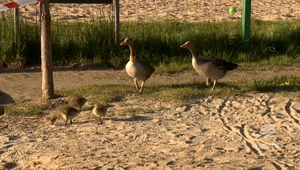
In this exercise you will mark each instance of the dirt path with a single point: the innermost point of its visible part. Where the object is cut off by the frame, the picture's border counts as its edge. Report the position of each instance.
(248, 131)
(27, 83)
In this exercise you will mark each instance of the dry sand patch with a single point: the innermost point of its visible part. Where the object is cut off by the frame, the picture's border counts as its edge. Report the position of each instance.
(248, 131)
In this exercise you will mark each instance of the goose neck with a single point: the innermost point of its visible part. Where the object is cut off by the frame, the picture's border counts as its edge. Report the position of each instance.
(193, 52)
(132, 53)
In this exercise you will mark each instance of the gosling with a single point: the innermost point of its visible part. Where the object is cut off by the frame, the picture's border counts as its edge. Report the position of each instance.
(100, 111)
(77, 102)
(66, 112)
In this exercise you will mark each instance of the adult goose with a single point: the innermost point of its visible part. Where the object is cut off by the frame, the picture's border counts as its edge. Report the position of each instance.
(135, 68)
(212, 68)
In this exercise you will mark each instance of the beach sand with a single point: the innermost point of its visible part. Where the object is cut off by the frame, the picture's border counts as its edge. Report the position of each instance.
(161, 10)
(249, 131)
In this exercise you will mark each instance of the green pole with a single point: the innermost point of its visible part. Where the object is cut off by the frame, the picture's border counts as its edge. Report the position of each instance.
(246, 23)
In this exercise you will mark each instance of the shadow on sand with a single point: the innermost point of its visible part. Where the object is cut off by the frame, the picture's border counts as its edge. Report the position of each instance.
(134, 118)
(62, 68)
(5, 98)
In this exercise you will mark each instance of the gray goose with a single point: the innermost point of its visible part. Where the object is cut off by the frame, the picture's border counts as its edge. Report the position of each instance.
(135, 68)
(212, 68)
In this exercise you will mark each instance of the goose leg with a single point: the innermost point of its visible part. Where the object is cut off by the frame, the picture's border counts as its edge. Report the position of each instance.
(215, 82)
(208, 81)
(136, 84)
(142, 86)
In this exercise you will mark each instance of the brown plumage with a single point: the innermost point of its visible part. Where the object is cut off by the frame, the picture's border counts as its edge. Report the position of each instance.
(100, 111)
(212, 69)
(77, 102)
(135, 68)
(66, 112)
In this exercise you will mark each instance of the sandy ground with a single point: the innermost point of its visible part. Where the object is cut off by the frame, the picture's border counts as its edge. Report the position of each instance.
(250, 131)
(158, 10)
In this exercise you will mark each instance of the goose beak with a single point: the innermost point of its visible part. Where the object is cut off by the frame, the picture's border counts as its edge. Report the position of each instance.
(183, 46)
(123, 43)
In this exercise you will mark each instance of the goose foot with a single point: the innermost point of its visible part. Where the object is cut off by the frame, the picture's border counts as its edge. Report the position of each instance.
(208, 82)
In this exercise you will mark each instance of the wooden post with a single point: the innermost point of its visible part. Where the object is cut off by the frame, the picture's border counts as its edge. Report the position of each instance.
(46, 51)
(16, 29)
(117, 20)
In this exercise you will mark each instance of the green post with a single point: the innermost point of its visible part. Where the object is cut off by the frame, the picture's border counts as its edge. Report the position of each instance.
(246, 23)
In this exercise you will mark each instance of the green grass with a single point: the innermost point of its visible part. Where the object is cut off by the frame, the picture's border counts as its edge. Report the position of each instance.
(181, 93)
(171, 93)
(101, 93)
(156, 42)
(25, 110)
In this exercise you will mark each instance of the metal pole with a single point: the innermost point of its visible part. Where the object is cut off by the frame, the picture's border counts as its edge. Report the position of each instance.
(117, 21)
(246, 22)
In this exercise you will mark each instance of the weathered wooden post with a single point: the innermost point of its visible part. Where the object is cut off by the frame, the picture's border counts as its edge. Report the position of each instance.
(46, 51)
(117, 20)
(16, 28)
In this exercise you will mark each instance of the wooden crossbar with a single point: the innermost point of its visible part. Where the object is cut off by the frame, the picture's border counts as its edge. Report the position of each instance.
(83, 1)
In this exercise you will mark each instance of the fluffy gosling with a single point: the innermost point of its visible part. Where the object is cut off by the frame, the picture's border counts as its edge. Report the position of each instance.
(100, 111)
(66, 112)
(77, 102)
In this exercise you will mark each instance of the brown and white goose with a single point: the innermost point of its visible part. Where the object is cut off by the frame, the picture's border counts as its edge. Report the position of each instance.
(212, 68)
(135, 68)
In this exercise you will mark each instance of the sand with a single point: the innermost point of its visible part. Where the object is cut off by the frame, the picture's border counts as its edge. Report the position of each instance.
(249, 131)
(161, 10)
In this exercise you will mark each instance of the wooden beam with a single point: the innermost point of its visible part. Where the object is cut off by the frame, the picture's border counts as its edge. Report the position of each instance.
(83, 1)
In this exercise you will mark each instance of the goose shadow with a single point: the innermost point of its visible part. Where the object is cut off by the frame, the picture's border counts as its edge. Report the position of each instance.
(5, 98)
(278, 88)
(86, 67)
(130, 119)
(197, 85)
(134, 118)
